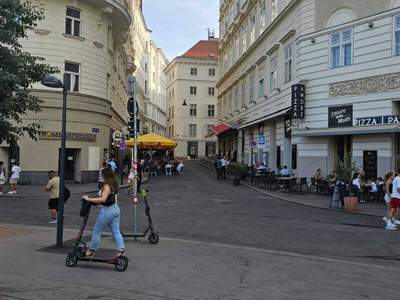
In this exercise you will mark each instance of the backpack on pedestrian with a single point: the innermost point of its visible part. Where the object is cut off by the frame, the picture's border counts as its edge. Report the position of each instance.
(67, 194)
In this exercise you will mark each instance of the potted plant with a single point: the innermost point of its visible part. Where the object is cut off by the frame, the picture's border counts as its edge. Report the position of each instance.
(238, 171)
(344, 171)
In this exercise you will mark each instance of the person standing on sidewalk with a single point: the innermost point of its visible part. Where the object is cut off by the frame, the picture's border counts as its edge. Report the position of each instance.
(395, 201)
(388, 197)
(218, 168)
(223, 166)
(109, 215)
(3, 177)
(53, 187)
(15, 170)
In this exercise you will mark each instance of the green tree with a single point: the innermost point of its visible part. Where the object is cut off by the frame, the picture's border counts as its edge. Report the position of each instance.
(18, 71)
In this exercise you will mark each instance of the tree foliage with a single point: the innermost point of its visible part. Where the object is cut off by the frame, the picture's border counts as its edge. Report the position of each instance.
(18, 71)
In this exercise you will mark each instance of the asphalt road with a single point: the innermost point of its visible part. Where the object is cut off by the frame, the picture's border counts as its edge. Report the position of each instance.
(218, 241)
(196, 207)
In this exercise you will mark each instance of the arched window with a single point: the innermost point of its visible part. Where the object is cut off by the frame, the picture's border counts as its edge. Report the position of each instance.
(340, 16)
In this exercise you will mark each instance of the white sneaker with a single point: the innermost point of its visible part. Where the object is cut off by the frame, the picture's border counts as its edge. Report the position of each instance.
(52, 221)
(11, 192)
(1, 193)
(386, 219)
(396, 222)
(390, 226)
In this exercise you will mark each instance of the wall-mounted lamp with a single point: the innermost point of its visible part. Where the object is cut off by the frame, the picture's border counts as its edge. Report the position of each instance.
(371, 25)
(184, 102)
(278, 89)
(312, 41)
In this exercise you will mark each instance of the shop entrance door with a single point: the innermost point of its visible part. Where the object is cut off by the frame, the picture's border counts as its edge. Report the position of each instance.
(192, 149)
(343, 147)
(70, 163)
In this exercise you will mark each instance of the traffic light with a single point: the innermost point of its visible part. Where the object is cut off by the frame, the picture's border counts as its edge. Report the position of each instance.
(133, 107)
(131, 127)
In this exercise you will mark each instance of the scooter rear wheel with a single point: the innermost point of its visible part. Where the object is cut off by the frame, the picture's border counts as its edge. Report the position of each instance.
(121, 263)
(153, 238)
(72, 259)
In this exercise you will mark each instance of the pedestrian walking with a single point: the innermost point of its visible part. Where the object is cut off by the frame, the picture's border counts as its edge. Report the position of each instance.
(223, 167)
(395, 201)
(112, 164)
(100, 181)
(109, 215)
(15, 171)
(388, 197)
(3, 177)
(53, 187)
(218, 168)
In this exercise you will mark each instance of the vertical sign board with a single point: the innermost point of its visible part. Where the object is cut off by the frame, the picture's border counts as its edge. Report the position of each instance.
(298, 101)
(370, 163)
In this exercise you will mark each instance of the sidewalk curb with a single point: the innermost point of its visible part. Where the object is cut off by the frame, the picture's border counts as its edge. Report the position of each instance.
(295, 202)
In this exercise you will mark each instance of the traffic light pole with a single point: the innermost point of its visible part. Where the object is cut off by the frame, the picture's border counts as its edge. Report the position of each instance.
(133, 112)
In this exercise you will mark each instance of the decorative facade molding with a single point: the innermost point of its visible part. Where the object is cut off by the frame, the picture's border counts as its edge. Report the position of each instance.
(370, 85)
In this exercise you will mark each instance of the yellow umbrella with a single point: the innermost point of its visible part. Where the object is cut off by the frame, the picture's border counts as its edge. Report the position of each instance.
(153, 141)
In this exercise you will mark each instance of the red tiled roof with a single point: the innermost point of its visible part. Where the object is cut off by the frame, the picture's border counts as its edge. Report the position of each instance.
(203, 49)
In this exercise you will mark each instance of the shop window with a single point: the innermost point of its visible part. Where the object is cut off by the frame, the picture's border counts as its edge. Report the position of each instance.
(294, 157)
(278, 156)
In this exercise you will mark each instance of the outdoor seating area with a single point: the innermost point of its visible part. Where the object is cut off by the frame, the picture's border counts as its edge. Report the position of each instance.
(272, 181)
(163, 167)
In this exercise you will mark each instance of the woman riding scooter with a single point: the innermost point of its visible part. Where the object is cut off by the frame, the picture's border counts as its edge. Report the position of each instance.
(109, 214)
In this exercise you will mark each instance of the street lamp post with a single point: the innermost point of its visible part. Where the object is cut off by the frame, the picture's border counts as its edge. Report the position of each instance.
(54, 82)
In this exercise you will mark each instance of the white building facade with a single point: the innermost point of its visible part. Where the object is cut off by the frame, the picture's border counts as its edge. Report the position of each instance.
(350, 69)
(150, 77)
(192, 100)
(87, 41)
(341, 54)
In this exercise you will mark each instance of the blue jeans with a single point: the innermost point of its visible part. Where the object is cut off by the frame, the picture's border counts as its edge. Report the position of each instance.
(108, 216)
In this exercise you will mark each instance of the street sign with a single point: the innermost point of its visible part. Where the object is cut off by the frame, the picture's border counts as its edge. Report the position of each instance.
(122, 145)
(117, 136)
(261, 141)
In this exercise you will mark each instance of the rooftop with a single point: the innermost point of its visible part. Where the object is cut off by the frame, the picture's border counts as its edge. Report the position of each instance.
(203, 49)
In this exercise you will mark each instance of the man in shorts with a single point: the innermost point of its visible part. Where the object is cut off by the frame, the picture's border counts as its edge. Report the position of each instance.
(395, 202)
(15, 170)
(53, 187)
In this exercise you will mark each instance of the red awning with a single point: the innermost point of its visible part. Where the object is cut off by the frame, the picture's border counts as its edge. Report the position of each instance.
(220, 128)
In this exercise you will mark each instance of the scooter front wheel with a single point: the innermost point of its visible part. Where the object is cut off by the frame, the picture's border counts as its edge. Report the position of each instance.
(153, 238)
(72, 259)
(121, 264)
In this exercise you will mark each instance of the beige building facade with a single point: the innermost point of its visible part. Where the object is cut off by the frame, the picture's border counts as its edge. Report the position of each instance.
(150, 77)
(270, 49)
(192, 99)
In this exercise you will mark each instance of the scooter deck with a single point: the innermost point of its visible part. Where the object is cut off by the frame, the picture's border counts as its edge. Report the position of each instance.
(99, 260)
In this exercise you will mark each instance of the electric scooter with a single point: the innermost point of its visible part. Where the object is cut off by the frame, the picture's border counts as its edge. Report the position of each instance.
(80, 247)
(151, 235)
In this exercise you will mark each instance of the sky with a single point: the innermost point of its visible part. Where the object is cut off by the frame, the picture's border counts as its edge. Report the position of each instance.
(179, 24)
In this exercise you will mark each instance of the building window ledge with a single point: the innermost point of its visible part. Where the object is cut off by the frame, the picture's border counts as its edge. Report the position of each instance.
(79, 38)
(98, 45)
(41, 31)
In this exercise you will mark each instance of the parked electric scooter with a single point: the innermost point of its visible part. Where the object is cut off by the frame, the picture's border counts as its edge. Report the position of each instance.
(151, 235)
(80, 247)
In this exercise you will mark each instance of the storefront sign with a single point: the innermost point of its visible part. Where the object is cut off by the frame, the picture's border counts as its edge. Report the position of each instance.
(288, 126)
(340, 116)
(70, 136)
(379, 120)
(298, 101)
